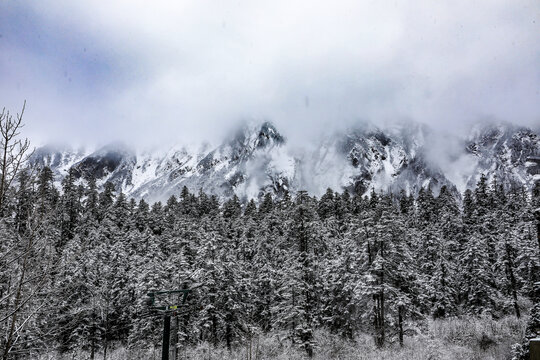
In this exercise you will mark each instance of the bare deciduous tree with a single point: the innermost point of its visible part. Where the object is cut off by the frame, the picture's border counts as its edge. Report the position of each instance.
(27, 260)
(22, 253)
(15, 151)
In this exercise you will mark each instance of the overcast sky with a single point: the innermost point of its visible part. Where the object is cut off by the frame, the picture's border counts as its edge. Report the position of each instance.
(159, 71)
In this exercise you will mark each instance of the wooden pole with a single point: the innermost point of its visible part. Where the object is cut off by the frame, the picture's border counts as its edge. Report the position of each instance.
(166, 336)
(535, 348)
(175, 337)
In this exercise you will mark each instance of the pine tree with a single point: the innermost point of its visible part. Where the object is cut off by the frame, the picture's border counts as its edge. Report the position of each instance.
(47, 195)
(304, 233)
(232, 208)
(480, 295)
(469, 211)
(340, 303)
(389, 279)
(326, 207)
(92, 201)
(267, 204)
(24, 201)
(251, 209)
(142, 215)
(71, 209)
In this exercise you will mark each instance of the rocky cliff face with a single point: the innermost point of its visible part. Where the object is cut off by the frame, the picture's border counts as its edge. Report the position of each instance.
(391, 159)
(257, 159)
(60, 158)
(500, 151)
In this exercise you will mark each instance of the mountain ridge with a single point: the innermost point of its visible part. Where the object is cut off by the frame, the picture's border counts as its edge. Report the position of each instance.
(257, 159)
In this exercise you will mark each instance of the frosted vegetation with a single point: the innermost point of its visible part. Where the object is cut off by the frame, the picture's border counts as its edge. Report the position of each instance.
(337, 277)
(455, 339)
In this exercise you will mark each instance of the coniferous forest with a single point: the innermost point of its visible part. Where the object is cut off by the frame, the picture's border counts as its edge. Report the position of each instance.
(76, 265)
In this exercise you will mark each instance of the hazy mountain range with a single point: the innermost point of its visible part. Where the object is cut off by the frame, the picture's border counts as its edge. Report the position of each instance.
(257, 159)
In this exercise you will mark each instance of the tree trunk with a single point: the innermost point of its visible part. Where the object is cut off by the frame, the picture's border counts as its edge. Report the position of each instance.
(214, 330)
(3, 169)
(379, 319)
(510, 268)
(18, 297)
(105, 335)
(12, 158)
(538, 229)
(93, 344)
(382, 337)
(293, 330)
(228, 335)
(400, 324)
(382, 319)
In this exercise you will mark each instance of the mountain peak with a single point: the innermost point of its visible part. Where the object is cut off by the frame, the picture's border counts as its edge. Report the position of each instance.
(112, 162)
(269, 135)
(256, 158)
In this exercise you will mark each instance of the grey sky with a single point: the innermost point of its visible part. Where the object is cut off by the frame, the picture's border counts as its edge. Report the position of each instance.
(179, 71)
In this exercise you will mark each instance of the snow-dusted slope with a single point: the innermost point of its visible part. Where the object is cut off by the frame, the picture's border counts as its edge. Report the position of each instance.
(60, 158)
(112, 163)
(257, 159)
(253, 161)
(501, 150)
(366, 157)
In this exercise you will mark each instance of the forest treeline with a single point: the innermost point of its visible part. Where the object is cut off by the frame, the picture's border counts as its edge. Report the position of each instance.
(76, 264)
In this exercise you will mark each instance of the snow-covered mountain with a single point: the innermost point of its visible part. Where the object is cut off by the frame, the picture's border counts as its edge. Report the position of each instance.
(258, 159)
(390, 159)
(59, 157)
(501, 151)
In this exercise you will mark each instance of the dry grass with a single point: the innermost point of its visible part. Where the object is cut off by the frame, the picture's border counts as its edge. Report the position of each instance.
(452, 339)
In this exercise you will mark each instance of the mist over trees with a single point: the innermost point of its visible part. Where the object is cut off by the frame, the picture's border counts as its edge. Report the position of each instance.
(76, 264)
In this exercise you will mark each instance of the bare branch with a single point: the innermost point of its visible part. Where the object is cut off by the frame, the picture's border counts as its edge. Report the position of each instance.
(14, 152)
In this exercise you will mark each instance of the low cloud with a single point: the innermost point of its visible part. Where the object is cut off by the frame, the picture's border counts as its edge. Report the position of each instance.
(184, 71)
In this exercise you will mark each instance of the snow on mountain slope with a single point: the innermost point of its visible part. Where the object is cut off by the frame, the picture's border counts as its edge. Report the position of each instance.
(257, 159)
(501, 150)
(112, 163)
(60, 158)
(251, 162)
(367, 157)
